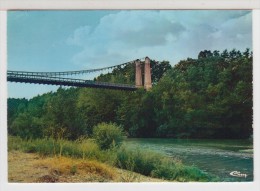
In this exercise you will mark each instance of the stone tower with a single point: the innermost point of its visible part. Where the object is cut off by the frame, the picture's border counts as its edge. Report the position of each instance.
(138, 74)
(147, 74)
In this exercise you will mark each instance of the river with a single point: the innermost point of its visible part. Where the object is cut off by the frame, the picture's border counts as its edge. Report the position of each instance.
(218, 157)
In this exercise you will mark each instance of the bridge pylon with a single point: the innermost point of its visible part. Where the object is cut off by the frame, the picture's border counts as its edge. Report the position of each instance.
(138, 74)
(147, 74)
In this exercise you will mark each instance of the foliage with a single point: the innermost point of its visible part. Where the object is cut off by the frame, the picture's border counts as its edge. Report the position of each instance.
(153, 164)
(195, 100)
(207, 97)
(137, 160)
(170, 170)
(89, 156)
(126, 75)
(108, 136)
(50, 147)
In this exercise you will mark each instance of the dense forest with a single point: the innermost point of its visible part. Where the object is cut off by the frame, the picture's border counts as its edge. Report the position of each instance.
(208, 97)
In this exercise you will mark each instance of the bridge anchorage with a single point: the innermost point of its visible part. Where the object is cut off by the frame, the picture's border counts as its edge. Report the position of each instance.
(54, 78)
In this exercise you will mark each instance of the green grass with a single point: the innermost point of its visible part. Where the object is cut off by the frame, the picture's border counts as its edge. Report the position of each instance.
(143, 162)
(82, 148)
(154, 164)
(137, 160)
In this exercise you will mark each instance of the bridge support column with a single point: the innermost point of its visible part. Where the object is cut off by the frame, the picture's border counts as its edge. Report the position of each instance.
(147, 74)
(138, 74)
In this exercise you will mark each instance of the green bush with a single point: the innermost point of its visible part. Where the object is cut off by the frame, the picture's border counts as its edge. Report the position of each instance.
(137, 160)
(165, 170)
(177, 171)
(108, 136)
(154, 164)
(87, 148)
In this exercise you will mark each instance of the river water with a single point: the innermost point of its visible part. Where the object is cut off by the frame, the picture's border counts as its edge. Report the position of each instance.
(218, 157)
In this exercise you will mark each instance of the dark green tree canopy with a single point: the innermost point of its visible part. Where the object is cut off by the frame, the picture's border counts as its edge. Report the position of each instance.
(207, 97)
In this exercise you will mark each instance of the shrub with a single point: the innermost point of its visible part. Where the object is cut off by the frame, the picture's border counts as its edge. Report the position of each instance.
(177, 171)
(108, 136)
(165, 170)
(154, 164)
(88, 148)
(137, 160)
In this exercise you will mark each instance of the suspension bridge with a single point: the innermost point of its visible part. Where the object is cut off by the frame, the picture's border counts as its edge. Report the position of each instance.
(57, 78)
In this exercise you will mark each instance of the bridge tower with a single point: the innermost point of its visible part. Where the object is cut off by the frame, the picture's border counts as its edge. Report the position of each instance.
(138, 74)
(147, 74)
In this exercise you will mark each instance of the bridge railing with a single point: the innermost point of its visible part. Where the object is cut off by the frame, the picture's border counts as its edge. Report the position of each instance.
(12, 76)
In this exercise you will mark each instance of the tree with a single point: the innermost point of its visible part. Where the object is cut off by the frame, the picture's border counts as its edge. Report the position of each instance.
(108, 135)
(62, 113)
(158, 70)
(26, 126)
(208, 97)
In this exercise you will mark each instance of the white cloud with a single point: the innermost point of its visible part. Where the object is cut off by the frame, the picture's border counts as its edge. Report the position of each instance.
(79, 36)
(161, 35)
(234, 33)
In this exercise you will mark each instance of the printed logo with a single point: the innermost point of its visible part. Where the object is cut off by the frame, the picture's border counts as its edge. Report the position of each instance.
(238, 174)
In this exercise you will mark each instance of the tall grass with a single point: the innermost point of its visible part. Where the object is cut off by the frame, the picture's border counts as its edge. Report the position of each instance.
(51, 147)
(153, 164)
(69, 166)
(137, 160)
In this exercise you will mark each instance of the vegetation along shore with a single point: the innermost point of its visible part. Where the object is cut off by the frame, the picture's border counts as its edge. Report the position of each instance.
(83, 129)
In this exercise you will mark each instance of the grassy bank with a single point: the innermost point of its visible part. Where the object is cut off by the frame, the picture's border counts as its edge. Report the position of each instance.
(140, 161)
(30, 168)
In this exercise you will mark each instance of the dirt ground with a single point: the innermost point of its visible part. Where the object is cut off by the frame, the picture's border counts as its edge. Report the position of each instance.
(31, 168)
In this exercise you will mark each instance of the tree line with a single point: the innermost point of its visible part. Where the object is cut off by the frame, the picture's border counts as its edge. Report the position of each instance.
(207, 97)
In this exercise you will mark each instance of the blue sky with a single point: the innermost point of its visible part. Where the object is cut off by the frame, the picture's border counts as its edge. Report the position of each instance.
(76, 40)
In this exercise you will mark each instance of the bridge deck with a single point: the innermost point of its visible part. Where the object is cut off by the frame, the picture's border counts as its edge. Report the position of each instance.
(38, 79)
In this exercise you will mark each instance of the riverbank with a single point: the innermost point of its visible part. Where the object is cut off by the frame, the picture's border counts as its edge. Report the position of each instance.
(218, 157)
(77, 156)
(31, 168)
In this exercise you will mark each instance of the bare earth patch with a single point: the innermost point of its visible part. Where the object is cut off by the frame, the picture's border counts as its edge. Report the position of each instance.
(30, 167)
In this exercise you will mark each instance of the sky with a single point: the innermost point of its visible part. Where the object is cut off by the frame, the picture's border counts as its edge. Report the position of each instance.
(78, 40)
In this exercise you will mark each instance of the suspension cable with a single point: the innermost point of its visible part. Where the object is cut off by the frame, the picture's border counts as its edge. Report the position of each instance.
(78, 72)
